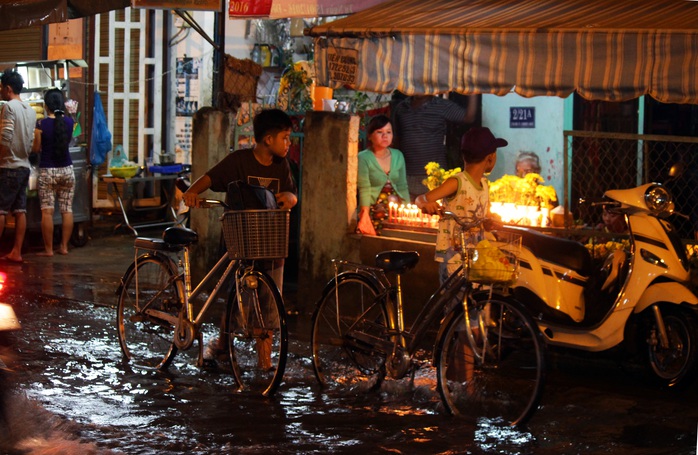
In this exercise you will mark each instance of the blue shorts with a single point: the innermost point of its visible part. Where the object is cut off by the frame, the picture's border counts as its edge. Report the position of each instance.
(13, 197)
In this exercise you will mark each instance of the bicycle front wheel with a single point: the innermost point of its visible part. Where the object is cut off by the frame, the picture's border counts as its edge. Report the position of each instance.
(257, 333)
(349, 335)
(491, 362)
(150, 298)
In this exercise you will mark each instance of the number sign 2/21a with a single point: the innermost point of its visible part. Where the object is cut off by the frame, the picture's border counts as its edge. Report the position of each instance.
(522, 117)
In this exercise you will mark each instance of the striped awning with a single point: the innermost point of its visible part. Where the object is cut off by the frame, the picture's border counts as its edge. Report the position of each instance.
(603, 49)
(16, 14)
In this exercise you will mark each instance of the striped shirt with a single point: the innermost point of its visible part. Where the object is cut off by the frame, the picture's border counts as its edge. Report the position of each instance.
(422, 131)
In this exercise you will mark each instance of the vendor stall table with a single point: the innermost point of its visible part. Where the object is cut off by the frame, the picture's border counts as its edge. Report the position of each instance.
(144, 194)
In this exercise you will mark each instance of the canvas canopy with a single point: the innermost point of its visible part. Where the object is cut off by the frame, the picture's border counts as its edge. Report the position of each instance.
(603, 49)
(29, 13)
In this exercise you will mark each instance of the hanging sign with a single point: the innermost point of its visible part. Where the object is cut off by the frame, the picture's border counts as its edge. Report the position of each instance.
(522, 117)
(342, 65)
(199, 5)
(249, 8)
(277, 9)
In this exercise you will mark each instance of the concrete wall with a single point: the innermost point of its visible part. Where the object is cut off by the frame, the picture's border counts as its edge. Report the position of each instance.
(327, 198)
(210, 144)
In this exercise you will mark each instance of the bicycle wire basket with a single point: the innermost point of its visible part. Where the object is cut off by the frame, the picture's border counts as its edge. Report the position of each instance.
(256, 234)
(494, 261)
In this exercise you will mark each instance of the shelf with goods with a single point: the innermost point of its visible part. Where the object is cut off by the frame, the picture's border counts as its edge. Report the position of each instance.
(37, 103)
(42, 75)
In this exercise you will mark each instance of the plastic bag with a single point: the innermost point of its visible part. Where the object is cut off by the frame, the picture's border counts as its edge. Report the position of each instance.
(33, 179)
(100, 144)
(489, 264)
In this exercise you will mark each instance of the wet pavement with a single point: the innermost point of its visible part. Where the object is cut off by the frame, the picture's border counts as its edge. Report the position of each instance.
(75, 395)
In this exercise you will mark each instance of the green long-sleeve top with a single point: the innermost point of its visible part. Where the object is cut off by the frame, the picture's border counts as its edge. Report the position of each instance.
(372, 178)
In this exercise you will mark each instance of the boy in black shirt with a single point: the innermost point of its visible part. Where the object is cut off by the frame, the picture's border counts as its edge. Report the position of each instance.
(264, 165)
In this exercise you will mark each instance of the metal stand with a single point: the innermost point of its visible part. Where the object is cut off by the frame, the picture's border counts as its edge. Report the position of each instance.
(164, 201)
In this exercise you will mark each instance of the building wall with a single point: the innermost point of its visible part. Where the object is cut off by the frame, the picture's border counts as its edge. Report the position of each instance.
(545, 138)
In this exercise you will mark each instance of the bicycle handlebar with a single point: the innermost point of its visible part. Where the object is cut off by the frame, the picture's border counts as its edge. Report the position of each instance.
(465, 224)
(208, 203)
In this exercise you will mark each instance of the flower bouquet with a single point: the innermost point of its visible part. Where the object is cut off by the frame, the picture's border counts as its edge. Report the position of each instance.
(527, 191)
(436, 175)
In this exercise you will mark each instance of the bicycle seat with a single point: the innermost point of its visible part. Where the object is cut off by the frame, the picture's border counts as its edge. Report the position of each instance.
(397, 261)
(179, 236)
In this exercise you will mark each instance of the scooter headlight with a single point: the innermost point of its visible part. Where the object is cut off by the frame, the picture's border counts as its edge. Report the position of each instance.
(658, 200)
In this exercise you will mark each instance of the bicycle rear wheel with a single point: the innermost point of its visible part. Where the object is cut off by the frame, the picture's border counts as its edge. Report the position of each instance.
(257, 333)
(349, 336)
(147, 310)
(494, 370)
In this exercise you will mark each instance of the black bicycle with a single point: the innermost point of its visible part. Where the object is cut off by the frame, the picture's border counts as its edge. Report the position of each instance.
(489, 354)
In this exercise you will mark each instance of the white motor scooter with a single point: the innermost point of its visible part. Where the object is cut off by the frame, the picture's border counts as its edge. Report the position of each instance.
(641, 296)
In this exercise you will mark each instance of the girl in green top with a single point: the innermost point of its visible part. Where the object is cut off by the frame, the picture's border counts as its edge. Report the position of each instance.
(381, 176)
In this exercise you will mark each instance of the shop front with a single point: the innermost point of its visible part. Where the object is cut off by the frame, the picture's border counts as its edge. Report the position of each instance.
(40, 76)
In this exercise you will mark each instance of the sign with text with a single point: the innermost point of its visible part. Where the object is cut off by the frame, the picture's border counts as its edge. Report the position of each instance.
(342, 65)
(249, 8)
(522, 117)
(277, 9)
(199, 5)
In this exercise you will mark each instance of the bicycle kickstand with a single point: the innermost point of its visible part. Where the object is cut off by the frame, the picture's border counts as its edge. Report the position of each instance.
(200, 360)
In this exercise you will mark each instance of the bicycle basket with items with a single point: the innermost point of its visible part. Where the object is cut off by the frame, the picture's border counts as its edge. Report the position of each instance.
(256, 234)
(256, 228)
(494, 260)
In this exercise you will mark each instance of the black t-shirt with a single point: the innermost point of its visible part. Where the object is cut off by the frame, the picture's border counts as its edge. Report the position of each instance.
(242, 165)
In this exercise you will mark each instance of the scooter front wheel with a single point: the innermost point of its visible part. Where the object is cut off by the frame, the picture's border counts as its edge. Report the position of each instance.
(674, 364)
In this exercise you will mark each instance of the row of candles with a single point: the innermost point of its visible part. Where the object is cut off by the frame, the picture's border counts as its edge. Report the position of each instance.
(526, 215)
(410, 215)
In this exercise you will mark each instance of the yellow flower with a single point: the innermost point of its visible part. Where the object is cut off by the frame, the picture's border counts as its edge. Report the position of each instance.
(436, 175)
(523, 191)
(601, 250)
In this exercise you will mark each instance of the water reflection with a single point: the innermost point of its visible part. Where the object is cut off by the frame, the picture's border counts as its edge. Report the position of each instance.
(75, 390)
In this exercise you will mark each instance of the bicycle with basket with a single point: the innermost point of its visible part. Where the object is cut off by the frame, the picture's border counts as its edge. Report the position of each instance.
(156, 314)
(489, 354)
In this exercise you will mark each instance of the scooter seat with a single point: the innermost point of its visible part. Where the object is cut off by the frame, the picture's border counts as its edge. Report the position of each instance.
(566, 253)
(397, 261)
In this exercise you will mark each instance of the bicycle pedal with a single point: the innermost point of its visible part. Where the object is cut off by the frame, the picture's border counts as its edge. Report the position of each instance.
(208, 364)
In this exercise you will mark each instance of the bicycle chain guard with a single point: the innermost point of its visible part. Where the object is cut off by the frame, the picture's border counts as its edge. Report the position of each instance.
(185, 333)
(398, 364)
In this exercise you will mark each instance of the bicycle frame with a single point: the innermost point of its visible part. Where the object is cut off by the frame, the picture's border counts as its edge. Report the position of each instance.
(405, 340)
(190, 295)
(435, 308)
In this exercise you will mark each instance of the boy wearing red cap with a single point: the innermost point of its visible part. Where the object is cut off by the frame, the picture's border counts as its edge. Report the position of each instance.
(466, 194)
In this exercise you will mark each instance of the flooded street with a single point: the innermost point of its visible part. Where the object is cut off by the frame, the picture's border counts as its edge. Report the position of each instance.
(73, 392)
